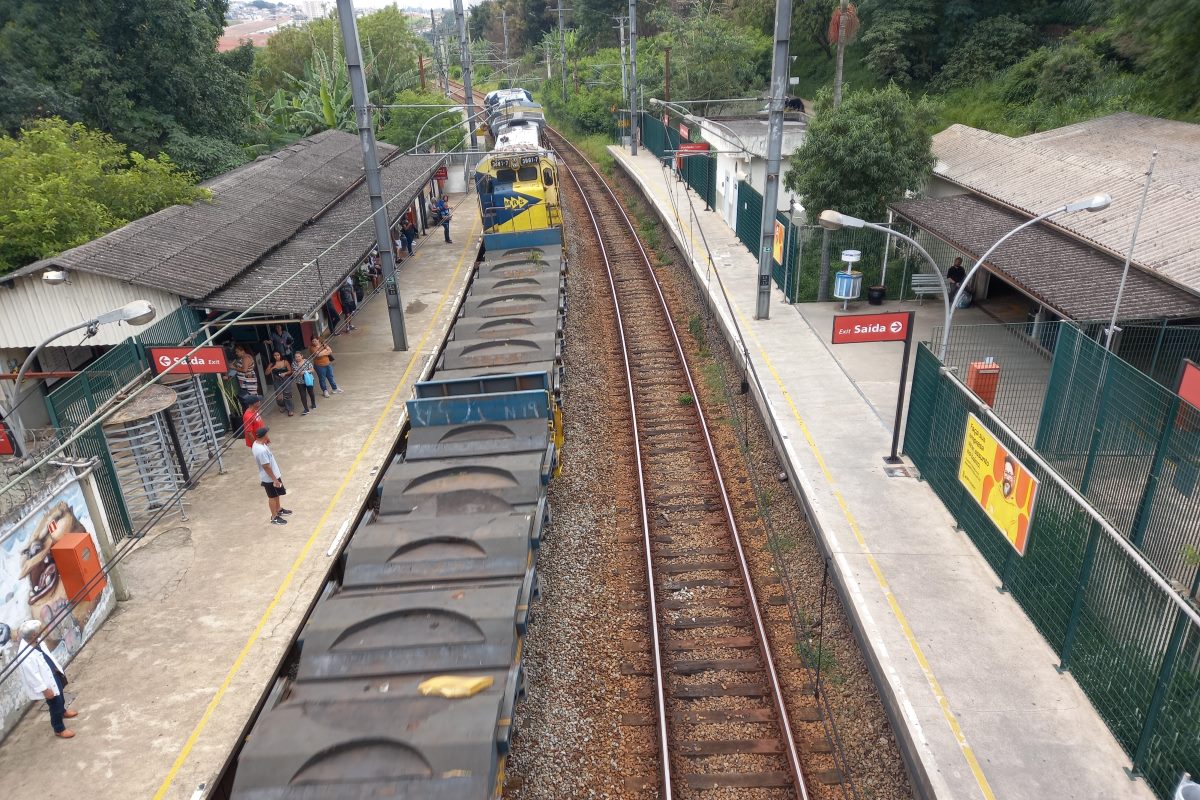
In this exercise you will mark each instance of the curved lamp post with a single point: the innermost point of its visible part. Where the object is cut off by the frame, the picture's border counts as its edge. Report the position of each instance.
(832, 220)
(1097, 202)
(139, 312)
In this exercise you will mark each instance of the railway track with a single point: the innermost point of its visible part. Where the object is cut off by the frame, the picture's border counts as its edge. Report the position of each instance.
(722, 725)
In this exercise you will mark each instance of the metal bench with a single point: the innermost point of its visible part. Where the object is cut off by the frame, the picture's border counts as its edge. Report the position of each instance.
(925, 283)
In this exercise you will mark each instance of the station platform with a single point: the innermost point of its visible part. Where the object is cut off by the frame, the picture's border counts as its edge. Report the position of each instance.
(167, 685)
(976, 705)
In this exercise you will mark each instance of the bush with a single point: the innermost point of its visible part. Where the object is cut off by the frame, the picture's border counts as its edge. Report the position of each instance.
(993, 45)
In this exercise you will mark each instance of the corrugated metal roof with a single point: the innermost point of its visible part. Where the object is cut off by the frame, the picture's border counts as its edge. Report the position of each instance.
(403, 179)
(1077, 281)
(194, 250)
(31, 309)
(1038, 172)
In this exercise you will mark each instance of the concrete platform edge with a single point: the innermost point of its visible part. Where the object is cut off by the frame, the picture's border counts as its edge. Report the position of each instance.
(893, 696)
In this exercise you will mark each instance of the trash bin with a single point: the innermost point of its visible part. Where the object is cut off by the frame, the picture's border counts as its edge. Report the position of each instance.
(875, 295)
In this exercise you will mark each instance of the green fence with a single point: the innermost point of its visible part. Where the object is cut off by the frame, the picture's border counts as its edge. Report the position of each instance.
(1130, 647)
(73, 402)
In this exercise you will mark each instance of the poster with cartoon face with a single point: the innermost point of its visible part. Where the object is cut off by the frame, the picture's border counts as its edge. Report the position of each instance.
(31, 587)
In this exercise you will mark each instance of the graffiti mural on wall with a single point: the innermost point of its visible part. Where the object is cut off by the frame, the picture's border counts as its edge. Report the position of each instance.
(31, 587)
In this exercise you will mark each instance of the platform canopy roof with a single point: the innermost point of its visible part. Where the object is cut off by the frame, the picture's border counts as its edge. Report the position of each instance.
(1110, 154)
(1075, 280)
(261, 217)
(335, 243)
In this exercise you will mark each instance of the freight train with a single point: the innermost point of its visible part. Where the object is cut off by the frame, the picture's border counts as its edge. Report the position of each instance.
(517, 182)
(409, 667)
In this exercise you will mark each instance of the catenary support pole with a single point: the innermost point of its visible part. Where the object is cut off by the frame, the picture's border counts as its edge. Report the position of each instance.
(770, 207)
(633, 92)
(366, 135)
(464, 47)
(562, 50)
(504, 25)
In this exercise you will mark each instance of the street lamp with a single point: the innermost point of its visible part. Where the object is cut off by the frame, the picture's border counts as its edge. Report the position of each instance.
(832, 220)
(1096, 202)
(139, 312)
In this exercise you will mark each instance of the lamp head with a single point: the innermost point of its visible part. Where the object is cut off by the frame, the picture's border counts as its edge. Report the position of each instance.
(832, 220)
(139, 312)
(1097, 202)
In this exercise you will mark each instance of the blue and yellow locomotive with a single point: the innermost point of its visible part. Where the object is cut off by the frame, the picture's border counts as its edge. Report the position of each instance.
(517, 182)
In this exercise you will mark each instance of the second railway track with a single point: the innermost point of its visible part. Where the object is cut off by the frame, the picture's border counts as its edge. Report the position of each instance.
(721, 716)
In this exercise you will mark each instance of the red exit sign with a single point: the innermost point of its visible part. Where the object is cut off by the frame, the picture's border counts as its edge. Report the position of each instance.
(890, 327)
(176, 360)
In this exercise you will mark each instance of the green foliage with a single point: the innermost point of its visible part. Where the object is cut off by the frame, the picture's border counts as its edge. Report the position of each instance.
(992, 46)
(403, 124)
(63, 184)
(138, 70)
(866, 153)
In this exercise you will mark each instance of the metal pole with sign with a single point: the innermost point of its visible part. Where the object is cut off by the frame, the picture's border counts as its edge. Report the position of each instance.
(888, 327)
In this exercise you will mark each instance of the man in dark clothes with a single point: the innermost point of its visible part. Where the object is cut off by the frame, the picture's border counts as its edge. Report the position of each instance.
(956, 275)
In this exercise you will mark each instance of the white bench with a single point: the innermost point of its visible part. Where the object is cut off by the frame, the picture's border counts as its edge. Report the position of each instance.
(925, 283)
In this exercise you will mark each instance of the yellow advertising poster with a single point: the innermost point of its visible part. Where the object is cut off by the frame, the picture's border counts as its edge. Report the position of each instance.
(777, 245)
(1000, 484)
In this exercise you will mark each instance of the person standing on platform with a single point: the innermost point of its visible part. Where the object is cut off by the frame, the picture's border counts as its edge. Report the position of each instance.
(349, 302)
(443, 209)
(303, 372)
(282, 342)
(43, 678)
(409, 232)
(247, 373)
(269, 475)
(281, 376)
(322, 359)
(251, 418)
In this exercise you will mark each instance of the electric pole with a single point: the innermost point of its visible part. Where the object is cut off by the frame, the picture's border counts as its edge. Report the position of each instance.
(779, 86)
(366, 134)
(504, 24)
(464, 47)
(633, 106)
(562, 50)
(624, 80)
(667, 73)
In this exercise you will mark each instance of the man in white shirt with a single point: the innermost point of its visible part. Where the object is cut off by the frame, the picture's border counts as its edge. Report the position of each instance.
(43, 678)
(269, 475)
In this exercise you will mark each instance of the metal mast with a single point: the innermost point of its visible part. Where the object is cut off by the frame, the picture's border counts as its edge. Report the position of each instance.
(779, 83)
(633, 106)
(366, 134)
(464, 47)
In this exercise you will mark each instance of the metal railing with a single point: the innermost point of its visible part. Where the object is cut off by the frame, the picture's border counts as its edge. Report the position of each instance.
(1130, 637)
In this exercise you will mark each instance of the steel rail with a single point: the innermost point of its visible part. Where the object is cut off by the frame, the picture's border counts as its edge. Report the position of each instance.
(793, 756)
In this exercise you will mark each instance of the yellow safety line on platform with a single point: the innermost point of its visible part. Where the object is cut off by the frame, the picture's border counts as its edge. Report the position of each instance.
(935, 685)
(291, 573)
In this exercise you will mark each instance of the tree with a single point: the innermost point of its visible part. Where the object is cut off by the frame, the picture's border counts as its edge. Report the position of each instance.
(63, 184)
(861, 156)
(138, 70)
(993, 45)
(402, 124)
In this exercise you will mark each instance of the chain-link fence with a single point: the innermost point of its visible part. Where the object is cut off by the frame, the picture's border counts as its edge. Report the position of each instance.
(1127, 640)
